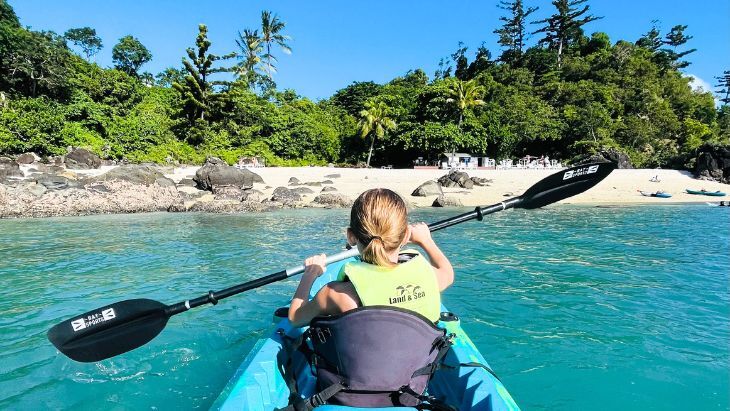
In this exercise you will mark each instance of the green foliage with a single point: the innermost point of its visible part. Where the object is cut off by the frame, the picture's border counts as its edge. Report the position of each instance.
(566, 97)
(32, 124)
(86, 39)
(130, 54)
(197, 90)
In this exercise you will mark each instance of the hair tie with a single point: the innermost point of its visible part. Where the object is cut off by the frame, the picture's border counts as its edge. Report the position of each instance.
(376, 237)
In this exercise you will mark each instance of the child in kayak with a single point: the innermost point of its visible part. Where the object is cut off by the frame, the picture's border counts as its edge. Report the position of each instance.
(379, 229)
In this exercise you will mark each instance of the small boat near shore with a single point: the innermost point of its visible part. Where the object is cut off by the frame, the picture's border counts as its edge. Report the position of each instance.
(717, 193)
(658, 194)
(464, 380)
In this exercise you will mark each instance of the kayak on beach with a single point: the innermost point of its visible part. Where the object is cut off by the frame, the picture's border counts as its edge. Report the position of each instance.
(659, 194)
(464, 380)
(717, 193)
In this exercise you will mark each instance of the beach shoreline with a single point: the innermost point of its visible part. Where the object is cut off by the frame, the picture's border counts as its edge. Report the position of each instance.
(89, 193)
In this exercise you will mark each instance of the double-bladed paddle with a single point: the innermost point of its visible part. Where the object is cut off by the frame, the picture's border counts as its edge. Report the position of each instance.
(125, 325)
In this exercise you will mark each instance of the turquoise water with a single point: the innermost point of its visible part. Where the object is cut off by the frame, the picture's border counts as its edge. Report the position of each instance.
(574, 307)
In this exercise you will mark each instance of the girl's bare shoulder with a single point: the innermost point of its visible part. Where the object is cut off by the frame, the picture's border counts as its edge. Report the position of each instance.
(343, 295)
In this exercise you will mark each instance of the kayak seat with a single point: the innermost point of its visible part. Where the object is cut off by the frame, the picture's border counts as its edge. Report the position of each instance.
(375, 356)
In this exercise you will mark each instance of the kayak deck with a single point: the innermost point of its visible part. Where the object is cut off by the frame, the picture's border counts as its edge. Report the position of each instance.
(462, 382)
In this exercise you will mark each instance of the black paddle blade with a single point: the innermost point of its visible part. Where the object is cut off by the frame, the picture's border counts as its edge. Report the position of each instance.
(564, 184)
(110, 330)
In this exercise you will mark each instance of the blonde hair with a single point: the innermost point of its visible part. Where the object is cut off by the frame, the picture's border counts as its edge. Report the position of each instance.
(379, 221)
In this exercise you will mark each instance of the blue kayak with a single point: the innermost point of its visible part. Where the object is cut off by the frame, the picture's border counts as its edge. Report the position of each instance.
(658, 194)
(465, 380)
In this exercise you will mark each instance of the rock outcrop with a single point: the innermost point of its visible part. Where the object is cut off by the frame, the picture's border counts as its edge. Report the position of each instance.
(216, 172)
(713, 163)
(79, 158)
(334, 200)
(456, 178)
(446, 201)
(137, 174)
(429, 188)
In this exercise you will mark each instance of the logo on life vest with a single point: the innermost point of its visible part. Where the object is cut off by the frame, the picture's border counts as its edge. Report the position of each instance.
(405, 293)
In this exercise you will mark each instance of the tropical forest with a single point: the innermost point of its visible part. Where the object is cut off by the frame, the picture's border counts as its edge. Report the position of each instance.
(568, 93)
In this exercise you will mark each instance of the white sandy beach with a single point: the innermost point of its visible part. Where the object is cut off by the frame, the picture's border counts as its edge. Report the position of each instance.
(618, 188)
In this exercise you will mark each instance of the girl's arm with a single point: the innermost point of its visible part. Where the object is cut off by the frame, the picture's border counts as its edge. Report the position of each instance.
(302, 310)
(421, 236)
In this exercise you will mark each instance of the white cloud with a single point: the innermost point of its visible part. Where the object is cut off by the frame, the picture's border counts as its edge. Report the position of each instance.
(698, 84)
(701, 86)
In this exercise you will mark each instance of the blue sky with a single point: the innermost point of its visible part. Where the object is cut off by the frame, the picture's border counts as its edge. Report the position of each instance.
(337, 42)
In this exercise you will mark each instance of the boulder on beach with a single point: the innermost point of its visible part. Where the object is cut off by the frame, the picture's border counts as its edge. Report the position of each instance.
(9, 168)
(613, 155)
(187, 182)
(429, 188)
(227, 192)
(334, 200)
(293, 181)
(303, 190)
(285, 195)
(313, 183)
(27, 158)
(332, 176)
(446, 201)
(479, 181)
(328, 189)
(137, 174)
(79, 158)
(216, 172)
(106, 197)
(253, 195)
(55, 182)
(456, 178)
(713, 163)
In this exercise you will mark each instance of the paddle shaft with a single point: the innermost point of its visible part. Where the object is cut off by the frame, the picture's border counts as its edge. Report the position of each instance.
(214, 296)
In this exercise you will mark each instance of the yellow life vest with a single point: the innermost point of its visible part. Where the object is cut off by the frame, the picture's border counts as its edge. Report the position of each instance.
(411, 285)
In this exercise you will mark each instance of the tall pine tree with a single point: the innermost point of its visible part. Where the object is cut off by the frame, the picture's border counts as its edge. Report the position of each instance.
(723, 82)
(512, 34)
(565, 26)
(197, 91)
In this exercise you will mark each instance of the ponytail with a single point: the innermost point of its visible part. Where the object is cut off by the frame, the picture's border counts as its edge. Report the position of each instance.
(375, 253)
(379, 220)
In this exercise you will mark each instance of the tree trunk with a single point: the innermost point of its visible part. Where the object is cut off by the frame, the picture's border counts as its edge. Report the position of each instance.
(370, 153)
(560, 51)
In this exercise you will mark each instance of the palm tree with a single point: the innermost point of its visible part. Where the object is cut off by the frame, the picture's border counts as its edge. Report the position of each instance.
(465, 95)
(249, 44)
(374, 120)
(271, 35)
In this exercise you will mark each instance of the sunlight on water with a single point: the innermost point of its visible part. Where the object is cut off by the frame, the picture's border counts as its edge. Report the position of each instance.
(574, 307)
